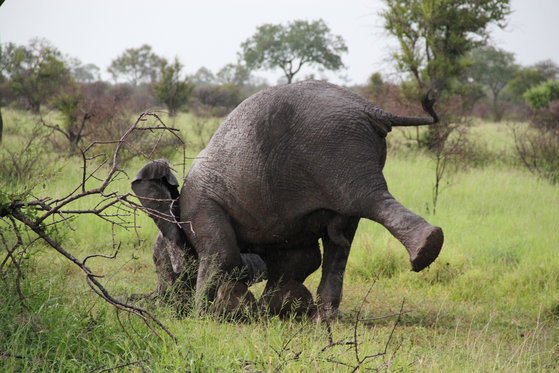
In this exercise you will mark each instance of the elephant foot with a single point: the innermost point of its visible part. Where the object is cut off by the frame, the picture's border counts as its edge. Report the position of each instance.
(234, 300)
(291, 298)
(326, 312)
(428, 250)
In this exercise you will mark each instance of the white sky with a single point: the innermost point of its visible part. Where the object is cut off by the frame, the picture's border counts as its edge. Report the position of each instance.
(209, 32)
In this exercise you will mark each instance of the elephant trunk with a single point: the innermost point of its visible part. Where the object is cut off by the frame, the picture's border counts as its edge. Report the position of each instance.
(422, 240)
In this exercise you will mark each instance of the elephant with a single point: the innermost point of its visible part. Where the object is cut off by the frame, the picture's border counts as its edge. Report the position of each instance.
(292, 165)
(175, 259)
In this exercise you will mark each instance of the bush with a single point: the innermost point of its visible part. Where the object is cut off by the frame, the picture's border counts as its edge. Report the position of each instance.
(540, 96)
(23, 161)
(538, 145)
(216, 100)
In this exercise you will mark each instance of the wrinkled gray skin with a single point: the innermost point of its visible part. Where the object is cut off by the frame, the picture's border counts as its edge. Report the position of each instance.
(174, 257)
(289, 166)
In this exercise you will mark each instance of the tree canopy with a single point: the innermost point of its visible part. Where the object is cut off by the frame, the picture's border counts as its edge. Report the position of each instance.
(171, 88)
(540, 96)
(531, 76)
(136, 65)
(290, 47)
(492, 68)
(434, 35)
(36, 72)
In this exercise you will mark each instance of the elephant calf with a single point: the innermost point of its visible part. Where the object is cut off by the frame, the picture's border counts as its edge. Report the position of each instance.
(290, 166)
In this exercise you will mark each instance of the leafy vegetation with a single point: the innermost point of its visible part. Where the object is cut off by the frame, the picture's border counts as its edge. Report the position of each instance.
(492, 68)
(172, 89)
(292, 46)
(542, 95)
(136, 65)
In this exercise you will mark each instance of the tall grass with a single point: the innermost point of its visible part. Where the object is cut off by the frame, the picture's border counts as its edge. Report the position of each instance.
(489, 303)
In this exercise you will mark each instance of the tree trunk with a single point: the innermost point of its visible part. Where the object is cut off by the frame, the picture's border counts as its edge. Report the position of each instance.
(497, 114)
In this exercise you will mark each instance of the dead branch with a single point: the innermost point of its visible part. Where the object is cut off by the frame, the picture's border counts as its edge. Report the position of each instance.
(38, 215)
(353, 342)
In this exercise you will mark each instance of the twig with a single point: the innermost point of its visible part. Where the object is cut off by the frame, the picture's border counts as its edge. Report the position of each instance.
(120, 366)
(59, 211)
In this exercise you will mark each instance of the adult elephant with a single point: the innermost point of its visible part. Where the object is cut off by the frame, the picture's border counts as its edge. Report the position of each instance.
(289, 166)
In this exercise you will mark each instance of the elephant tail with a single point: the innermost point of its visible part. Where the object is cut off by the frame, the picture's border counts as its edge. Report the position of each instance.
(427, 102)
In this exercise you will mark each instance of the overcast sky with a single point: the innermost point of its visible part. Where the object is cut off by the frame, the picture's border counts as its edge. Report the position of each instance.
(209, 32)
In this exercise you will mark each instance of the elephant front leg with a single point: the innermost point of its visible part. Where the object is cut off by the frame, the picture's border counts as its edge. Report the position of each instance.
(336, 252)
(221, 285)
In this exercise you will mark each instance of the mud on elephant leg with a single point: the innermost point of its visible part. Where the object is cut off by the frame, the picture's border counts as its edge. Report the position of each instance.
(288, 268)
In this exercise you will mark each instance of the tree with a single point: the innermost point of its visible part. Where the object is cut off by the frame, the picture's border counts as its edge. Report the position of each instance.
(171, 89)
(542, 95)
(492, 68)
(376, 86)
(136, 65)
(435, 35)
(203, 76)
(87, 73)
(36, 72)
(292, 46)
(531, 76)
(233, 74)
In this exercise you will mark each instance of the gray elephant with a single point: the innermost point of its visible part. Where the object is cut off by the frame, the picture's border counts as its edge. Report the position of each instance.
(174, 257)
(290, 166)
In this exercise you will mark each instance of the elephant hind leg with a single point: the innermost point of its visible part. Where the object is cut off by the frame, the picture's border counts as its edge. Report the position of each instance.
(336, 252)
(422, 240)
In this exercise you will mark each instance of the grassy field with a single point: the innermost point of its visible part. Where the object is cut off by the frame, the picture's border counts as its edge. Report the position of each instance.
(489, 303)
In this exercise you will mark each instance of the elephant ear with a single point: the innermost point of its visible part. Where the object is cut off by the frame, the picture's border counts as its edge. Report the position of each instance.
(158, 189)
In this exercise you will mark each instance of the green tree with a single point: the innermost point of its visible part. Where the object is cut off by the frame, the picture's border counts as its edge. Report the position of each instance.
(233, 74)
(376, 86)
(87, 73)
(36, 72)
(203, 76)
(531, 76)
(542, 95)
(435, 35)
(173, 90)
(493, 68)
(292, 46)
(136, 65)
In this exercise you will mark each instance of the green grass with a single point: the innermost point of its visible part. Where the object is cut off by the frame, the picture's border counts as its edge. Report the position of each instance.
(489, 303)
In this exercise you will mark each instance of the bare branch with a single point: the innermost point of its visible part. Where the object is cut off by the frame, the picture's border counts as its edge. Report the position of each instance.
(110, 206)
